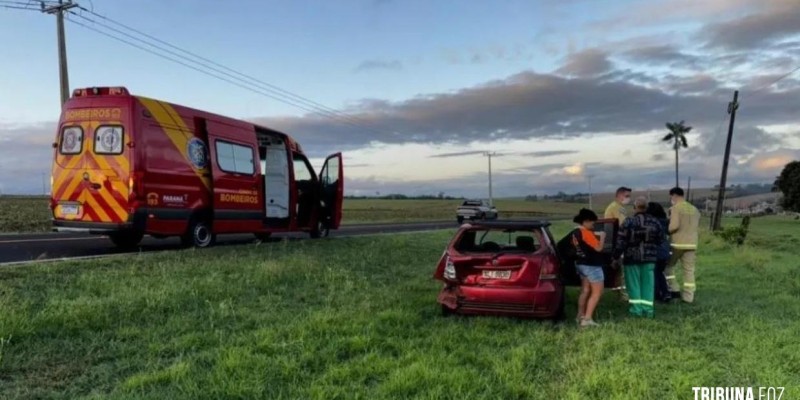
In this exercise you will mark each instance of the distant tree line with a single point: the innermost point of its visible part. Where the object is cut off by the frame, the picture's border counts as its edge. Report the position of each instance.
(561, 197)
(747, 190)
(398, 196)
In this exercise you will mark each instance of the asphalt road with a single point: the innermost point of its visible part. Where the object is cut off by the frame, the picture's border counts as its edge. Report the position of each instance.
(48, 246)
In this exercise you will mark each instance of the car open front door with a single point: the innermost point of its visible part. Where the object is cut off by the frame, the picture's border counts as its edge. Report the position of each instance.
(610, 227)
(331, 179)
(569, 275)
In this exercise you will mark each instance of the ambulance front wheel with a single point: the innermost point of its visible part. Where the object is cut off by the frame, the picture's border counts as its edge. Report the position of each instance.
(126, 240)
(199, 235)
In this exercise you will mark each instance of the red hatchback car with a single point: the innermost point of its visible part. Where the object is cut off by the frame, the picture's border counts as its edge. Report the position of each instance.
(510, 268)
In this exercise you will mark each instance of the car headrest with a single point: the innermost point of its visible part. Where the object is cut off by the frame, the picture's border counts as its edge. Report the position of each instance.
(526, 243)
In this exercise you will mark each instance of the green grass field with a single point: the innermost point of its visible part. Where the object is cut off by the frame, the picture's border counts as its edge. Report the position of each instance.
(31, 214)
(356, 318)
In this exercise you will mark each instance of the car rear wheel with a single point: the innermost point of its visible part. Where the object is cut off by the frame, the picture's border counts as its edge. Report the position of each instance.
(199, 235)
(126, 240)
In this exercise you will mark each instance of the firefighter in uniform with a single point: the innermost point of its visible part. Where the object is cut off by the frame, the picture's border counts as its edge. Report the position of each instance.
(683, 228)
(618, 211)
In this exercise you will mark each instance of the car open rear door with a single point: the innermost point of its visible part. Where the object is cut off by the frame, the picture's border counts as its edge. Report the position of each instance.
(331, 179)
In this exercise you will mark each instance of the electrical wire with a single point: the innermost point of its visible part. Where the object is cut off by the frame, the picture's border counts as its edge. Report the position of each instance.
(18, 8)
(186, 64)
(295, 96)
(180, 62)
(780, 78)
(277, 93)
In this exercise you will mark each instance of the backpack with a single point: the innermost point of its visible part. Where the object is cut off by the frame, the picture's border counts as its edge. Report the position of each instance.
(566, 247)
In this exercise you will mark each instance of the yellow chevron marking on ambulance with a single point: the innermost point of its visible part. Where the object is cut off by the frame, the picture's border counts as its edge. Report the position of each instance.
(175, 128)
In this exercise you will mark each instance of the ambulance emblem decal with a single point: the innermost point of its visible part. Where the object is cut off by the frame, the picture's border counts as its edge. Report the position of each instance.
(197, 153)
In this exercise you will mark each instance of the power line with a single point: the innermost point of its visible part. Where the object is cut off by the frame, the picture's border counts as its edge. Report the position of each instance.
(266, 89)
(780, 78)
(287, 93)
(186, 63)
(18, 5)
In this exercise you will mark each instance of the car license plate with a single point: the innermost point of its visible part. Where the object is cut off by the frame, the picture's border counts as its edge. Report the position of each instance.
(70, 209)
(497, 274)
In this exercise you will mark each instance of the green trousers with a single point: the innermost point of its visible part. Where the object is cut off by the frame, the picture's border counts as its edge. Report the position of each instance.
(640, 281)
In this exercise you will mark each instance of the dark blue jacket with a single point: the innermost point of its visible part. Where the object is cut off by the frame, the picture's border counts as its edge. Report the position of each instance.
(664, 251)
(640, 238)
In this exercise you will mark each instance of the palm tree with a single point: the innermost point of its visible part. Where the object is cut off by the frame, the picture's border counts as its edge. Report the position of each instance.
(677, 135)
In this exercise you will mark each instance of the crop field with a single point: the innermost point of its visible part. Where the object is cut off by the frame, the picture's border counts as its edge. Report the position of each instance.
(356, 318)
(31, 214)
(24, 214)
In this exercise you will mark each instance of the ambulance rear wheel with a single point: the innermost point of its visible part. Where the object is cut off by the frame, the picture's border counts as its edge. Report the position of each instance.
(199, 235)
(126, 240)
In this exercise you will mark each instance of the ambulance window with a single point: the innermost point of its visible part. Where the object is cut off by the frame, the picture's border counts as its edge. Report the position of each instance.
(71, 140)
(108, 139)
(302, 171)
(235, 158)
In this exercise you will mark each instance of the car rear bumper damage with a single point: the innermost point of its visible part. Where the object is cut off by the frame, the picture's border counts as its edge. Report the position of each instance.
(542, 301)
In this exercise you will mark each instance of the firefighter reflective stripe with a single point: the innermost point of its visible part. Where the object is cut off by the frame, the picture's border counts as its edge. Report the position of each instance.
(645, 302)
(688, 285)
(684, 246)
(670, 277)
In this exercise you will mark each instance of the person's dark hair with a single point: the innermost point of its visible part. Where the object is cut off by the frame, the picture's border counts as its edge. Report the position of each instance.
(676, 191)
(656, 210)
(623, 189)
(585, 214)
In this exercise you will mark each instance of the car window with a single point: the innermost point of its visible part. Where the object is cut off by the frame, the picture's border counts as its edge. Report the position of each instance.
(496, 240)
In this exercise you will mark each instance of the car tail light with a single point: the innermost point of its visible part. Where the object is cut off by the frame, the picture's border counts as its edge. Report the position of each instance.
(449, 269)
(548, 270)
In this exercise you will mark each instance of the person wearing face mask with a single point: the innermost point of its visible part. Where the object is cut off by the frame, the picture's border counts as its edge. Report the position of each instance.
(683, 229)
(618, 211)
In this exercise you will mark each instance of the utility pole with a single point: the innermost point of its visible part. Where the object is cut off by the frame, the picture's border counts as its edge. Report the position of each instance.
(63, 76)
(689, 190)
(732, 107)
(44, 185)
(489, 155)
(590, 191)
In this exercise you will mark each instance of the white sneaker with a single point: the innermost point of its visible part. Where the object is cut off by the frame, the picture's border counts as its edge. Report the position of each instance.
(588, 322)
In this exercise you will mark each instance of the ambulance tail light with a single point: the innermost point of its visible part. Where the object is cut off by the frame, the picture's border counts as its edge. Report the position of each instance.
(135, 185)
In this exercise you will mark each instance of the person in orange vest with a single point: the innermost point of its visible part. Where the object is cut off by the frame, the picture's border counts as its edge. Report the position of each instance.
(683, 229)
(618, 211)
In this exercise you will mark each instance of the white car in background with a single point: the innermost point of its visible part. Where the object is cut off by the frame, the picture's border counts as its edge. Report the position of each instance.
(472, 210)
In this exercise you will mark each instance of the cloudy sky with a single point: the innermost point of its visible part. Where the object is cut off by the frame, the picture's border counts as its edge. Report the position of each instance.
(560, 89)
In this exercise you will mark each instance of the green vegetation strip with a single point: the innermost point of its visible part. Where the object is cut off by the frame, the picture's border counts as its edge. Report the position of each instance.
(356, 318)
(32, 214)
